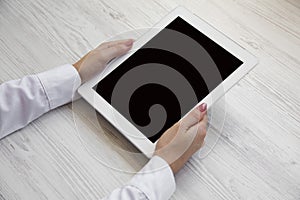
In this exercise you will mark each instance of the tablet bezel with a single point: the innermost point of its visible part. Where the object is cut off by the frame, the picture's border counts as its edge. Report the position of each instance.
(127, 128)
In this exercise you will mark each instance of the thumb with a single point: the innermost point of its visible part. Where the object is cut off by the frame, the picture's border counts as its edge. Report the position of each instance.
(115, 51)
(194, 116)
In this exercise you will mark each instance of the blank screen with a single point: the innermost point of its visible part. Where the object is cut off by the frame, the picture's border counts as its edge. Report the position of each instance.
(167, 77)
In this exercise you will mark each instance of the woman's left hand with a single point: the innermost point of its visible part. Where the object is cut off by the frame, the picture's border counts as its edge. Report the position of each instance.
(96, 60)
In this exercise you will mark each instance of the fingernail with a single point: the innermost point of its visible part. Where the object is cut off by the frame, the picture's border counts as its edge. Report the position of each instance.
(129, 42)
(202, 107)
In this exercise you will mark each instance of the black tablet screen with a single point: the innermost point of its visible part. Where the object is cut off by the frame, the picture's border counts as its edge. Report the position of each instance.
(168, 76)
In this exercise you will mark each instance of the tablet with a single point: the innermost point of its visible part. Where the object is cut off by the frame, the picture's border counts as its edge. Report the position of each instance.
(181, 62)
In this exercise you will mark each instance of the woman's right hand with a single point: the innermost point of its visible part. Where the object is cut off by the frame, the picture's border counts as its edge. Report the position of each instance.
(183, 139)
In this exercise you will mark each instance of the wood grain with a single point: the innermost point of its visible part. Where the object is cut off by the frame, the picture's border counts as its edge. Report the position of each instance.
(257, 155)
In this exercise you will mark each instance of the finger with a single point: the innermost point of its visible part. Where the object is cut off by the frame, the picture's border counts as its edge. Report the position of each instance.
(114, 51)
(197, 133)
(204, 120)
(200, 127)
(194, 116)
(127, 42)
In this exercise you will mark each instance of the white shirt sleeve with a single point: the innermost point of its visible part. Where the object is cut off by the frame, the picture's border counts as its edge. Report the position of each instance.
(24, 100)
(154, 182)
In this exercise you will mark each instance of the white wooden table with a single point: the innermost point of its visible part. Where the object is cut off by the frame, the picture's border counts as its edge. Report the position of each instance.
(258, 153)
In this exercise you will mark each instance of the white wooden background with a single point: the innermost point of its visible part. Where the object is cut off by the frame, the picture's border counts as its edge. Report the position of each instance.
(258, 154)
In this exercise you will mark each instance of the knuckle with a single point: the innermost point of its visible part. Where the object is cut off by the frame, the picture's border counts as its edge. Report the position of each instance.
(119, 48)
(196, 114)
(195, 117)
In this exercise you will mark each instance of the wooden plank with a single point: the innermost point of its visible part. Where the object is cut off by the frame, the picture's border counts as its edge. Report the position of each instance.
(257, 155)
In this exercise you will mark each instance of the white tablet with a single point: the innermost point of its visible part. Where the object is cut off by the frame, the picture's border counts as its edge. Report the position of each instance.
(181, 62)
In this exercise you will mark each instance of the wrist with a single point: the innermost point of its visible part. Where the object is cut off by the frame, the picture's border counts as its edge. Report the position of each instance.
(76, 66)
(171, 165)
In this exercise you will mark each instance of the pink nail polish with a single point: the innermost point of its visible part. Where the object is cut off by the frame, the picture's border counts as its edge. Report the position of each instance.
(202, 107)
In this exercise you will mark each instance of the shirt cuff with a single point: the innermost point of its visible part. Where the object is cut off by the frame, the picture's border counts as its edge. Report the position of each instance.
(60, 84)
(156, 180)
